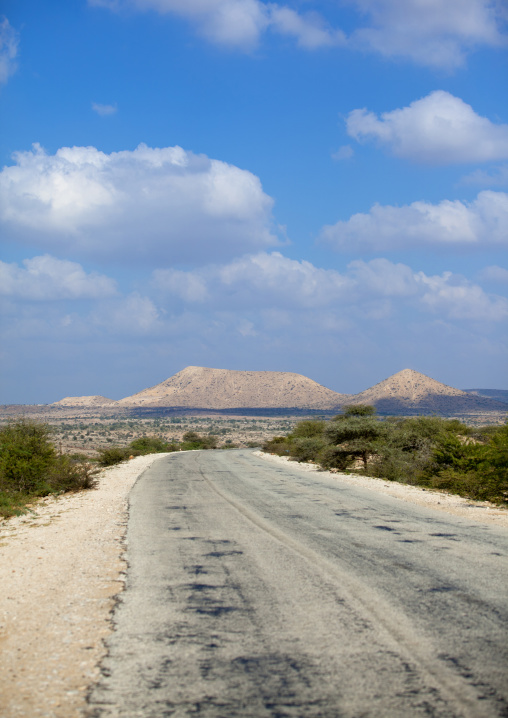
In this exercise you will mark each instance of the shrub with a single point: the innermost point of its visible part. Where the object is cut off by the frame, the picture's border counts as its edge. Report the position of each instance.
(334, 457)
(280, 445)
(427, 450)
(306, 448)
(192, 440)
(113, 455)
(30, 466)
(308, 429)
(148, 445)
(26, 457)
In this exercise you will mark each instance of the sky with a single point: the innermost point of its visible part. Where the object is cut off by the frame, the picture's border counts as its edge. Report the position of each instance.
(314, 186)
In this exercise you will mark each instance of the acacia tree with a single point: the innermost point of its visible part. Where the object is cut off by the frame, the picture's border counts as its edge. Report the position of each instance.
(353, 434)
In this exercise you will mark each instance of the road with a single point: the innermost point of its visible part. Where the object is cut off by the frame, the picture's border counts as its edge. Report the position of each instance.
(256, 589)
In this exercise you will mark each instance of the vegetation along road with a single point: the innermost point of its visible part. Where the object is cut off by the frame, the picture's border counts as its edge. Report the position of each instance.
(260, 590)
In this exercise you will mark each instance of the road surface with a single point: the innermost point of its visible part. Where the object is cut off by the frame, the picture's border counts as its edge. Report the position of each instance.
(256, 589)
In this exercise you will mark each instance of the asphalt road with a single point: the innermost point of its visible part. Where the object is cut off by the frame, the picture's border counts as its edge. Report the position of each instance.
(259, 590)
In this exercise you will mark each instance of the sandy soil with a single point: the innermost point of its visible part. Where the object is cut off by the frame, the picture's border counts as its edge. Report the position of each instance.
(61, 567)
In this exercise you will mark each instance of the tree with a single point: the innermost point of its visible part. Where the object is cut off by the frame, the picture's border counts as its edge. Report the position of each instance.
(353, 434)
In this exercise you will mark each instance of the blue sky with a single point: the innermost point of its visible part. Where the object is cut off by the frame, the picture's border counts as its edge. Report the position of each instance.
(317, 187)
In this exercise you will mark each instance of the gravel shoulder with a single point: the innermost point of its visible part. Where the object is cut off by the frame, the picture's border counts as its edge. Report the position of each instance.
(61, 566)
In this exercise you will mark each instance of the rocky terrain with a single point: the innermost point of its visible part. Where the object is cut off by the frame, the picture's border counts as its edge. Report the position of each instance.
(85, 401)
(198, 386)
(410, 390)
(202, 389)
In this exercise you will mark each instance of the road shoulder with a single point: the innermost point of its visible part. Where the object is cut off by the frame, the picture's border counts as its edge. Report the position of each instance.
(61, 566)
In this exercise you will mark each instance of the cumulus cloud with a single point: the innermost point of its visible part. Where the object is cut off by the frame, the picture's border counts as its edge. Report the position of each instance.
(437, 129)
(240, 23)
(438, 33)
(104, 110)
(48, 278)
(368, 290)
(262, 279)
(310, 30)
(148, 204)
(451, 223)
(460, 299)
(9, 41)
(131, 315)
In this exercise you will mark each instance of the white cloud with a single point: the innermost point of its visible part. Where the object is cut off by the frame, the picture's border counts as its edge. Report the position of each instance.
(437, 33)
(104, 110)
(366, 291)
(189, 287)
(131, 315)
(459, 299)
(48, 278)
(145, 204)
(437, 129)
(498, 177)
(478, 224)
(262, 279)
(309, 30)
(343, 153)
(494, 274)
(9, 41)
(240, 23)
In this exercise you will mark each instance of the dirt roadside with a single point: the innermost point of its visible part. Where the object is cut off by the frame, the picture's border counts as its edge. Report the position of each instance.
(61, 567)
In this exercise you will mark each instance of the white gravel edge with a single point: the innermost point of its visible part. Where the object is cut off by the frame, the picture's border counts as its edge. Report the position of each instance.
(61, 567)
(482, 511)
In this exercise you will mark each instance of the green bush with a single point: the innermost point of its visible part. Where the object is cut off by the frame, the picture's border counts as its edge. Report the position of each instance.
(26, 457)
(148, 445)
(191, 440)
(308, 429)
(430, 451)
(31, 467)
(113, 455)
(306, 448)
(280, 445)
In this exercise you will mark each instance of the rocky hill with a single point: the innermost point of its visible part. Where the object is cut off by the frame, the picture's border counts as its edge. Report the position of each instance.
(206, 388)
(408, 390)
(85, 401)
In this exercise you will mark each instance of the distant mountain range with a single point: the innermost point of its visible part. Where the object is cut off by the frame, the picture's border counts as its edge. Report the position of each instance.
(408, 391)
(497, 394)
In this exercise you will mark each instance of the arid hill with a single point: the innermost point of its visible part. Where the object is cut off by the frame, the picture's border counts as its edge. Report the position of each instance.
(205, 388)
(85, 401)
(408, 390)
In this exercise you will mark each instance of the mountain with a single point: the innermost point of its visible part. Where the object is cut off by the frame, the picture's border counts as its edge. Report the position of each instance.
(408, 390)
(85, 401)
(201, 387)
(497, 394)
(196, 387)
